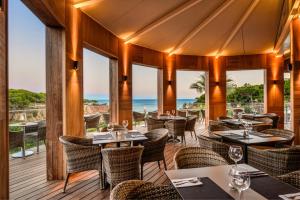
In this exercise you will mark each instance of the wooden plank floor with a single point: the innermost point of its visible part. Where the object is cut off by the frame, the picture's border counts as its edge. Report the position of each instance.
(28, 177)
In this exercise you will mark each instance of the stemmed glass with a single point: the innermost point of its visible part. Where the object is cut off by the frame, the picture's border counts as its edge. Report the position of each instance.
(125, 124)
(235, 153)
(239, 116)
(173, 112)
(240, 180)
(110, 127)
(168, 113)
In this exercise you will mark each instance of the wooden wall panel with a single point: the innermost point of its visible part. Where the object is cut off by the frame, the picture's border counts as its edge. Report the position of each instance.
(145, 56)
(73, 79)
(97, 38)
(125, 87)
(50, 12)
(295, 77)
(114, 90)
(215, 90)
(274, 91)
(168, 99)
(4, 163)
(246, 62)
(55, 65)
(193, 63)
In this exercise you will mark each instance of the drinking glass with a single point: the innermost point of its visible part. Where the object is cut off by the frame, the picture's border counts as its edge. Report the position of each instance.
(110, 127)
(235, 153)
(168, 113)
(125, 124)
(240, 116)
(173, 112)
(240, 180)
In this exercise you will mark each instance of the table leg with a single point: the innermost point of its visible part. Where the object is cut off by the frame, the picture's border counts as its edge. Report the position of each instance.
(246, 153)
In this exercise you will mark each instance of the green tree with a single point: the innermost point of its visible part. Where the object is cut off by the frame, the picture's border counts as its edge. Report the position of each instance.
(21, 99)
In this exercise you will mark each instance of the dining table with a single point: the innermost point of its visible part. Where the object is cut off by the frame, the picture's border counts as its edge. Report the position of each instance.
(237, 122)
(237, 136)
(214, 184)
(27, 153)
(170, 117)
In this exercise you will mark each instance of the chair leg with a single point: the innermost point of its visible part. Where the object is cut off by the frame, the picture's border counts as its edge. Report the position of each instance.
(165, 165)
(191, 134)
(66, 182)
(142, 171)
(158, 164)
(195, 135)
(37, 145)
(184, 140)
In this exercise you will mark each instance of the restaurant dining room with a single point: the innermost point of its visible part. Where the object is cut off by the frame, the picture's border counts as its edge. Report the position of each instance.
(149, 99)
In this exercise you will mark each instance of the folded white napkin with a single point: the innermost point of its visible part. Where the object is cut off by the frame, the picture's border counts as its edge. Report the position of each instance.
(292, 196)
(186, 182)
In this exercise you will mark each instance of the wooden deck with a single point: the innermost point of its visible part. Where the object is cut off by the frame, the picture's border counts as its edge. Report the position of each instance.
(28, 177)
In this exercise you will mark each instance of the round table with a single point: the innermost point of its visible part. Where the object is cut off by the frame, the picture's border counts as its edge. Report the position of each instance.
(23, 125)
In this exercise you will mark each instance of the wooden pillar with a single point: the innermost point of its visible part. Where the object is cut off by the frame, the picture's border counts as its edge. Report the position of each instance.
(295, 77)
(274, 87)
(4, 163)
(125, 82)
(113, 90)
(168, 81)
(215, 89)
(74, 123)
(55, 66)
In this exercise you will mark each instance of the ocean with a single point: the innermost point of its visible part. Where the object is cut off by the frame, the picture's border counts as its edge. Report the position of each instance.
(140, 105)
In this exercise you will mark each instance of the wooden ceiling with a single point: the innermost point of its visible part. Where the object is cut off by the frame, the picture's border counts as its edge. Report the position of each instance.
(192, 27)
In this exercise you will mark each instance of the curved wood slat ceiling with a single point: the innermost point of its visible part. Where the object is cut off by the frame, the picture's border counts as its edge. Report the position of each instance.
(127, 19)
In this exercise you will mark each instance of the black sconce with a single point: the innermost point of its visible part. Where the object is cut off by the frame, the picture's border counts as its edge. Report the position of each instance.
(124, 78)
(1, 5)
(170, 82)
(275, 81)
(75, 64)
(217, 83)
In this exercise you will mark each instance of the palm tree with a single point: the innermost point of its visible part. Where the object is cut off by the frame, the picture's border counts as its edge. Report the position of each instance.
(199, 85)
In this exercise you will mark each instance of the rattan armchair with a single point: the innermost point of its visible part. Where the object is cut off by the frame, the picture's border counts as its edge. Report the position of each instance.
(292, 178)
(290, 135)
(195, 157)
(216, 146)
(92, 122)
(137, 189)
(177, 128)
(82, 155)
(40, 135)
(138, 117)
(275, 118)
(106, 118)
(153, 123)
(190, 125)
(217, 126)
(152, 114)
(202, 115)
(181, 113)
(16, 140)
(275, 161)
(194, 113)
(154, 147)
(121, 164)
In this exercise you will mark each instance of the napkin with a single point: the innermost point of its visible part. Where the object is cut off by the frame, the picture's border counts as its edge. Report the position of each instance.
(292, 196)
(186, 182)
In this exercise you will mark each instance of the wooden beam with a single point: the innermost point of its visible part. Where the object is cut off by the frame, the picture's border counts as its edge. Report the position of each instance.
(84, 3)
(286, 28)
(200, 26)
(238, 26)
(4, 163)
(166, 17)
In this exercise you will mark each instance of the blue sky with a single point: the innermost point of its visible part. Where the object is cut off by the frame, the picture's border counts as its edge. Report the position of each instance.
(27, 63)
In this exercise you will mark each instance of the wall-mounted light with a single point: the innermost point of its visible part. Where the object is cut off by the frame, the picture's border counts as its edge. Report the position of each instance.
(124, 78)
(170, 82)
(75, 65)
(217, 83)
(1, 5)
(275, 82)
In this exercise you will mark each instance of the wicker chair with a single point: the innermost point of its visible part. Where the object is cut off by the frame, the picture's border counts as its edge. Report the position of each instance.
(177, 128)
(154, 147)
(190, 125)
(137, 189)
(40, 135)
(122, 164)
(92, 122)
(153, 123)
(181, 113)
(275, 118)
(216, 146)
(223, 117)
(275, 161)
(138, 117)
(81, 156)
(202, 116)
(261, 127)
(195, 157)
(106, 118)
(292, 178)
(152, 114)
(16, 140)
(236, 112)
(290, 135)
(217, 126)
(194, 113)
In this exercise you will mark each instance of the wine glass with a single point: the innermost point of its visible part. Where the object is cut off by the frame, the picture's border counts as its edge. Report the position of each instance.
(110, 127)
(173, 112)
(168, 113)
(125, 124)
(239, 116)
(235, 153)
(240, 180)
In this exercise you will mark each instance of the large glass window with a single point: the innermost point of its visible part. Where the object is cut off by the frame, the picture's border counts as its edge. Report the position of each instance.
(287, 102)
